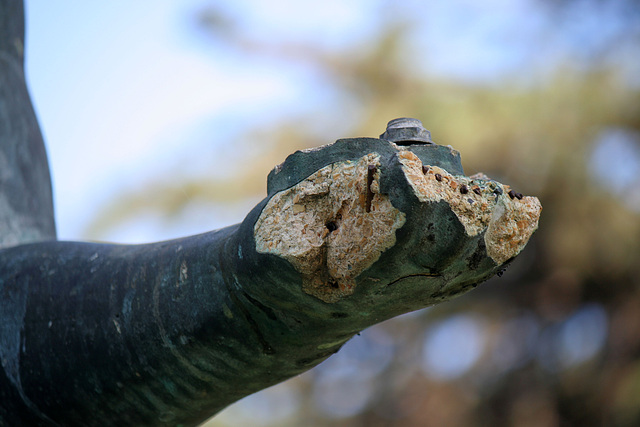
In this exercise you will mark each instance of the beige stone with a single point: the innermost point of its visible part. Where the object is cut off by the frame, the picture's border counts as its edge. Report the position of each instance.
(321, 226)
(335, 224)
(509, 223)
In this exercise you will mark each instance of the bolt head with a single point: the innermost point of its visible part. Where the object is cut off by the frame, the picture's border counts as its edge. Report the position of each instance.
(406, 131)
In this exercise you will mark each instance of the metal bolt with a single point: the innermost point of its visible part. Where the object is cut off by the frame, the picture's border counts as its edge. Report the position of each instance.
(406, 131)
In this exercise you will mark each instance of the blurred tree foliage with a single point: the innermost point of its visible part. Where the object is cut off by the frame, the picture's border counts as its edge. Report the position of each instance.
(554, 341)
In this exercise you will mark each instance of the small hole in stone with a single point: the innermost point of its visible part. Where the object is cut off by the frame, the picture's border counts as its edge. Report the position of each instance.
(334, 284)
(331, 226)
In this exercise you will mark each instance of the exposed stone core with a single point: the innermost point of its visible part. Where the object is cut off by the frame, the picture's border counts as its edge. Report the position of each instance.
(331, 226)
(335, 224)
(479, 203)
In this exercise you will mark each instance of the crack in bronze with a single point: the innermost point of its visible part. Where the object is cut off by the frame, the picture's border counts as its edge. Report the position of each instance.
(414, 275)
(371, 170)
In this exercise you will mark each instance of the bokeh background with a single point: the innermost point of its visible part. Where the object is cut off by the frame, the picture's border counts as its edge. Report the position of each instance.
(162, 118)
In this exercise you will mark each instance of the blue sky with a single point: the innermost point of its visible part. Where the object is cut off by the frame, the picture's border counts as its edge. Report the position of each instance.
(117, 86)
(125, 90)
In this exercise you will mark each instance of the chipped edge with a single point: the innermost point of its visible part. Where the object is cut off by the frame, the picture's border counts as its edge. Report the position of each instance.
(331, 226)
(479, 203)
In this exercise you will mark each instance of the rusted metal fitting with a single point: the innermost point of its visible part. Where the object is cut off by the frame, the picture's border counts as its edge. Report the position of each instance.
(406, 131)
